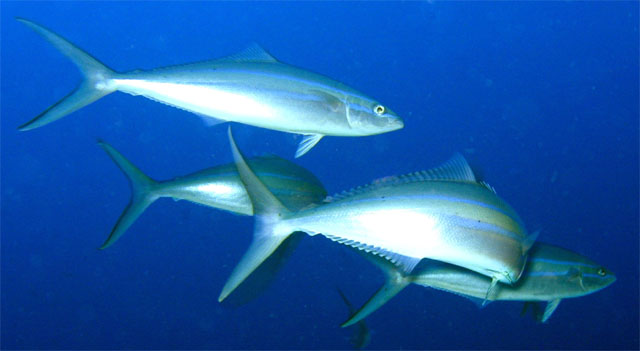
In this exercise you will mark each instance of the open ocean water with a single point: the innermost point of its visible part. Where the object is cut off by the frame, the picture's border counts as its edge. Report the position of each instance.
(542, 97)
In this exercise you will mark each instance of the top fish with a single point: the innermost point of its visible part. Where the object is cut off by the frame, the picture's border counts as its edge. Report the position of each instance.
(250, 87)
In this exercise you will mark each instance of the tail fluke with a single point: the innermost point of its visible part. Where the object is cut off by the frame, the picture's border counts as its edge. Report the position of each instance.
(142, 194)
(396, 281)
(96, 83)
(361, 336)
(268, 234)
(390, 289)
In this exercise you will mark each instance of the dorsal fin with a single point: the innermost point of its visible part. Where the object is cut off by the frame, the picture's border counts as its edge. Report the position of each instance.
(252, 53)
(486, 185)
(455, 169)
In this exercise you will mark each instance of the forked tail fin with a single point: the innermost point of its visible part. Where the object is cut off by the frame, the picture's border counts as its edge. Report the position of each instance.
(361, 336)
(268, 232)
(96, 82)
(142, 194)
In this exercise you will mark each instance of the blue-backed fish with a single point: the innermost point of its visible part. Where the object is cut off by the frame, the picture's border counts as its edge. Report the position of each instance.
(220, 187)
(442, 214)
(552, 274)
(250, 87)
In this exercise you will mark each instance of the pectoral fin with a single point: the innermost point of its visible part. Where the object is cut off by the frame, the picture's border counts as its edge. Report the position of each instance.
(575, 275)
(308, 142)
(494, 282)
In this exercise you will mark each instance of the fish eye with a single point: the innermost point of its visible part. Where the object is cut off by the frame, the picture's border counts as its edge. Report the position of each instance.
(602, 272)
(379, 110)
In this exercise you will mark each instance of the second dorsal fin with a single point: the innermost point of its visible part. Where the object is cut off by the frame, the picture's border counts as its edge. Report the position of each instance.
(455, 169)
(252, 53)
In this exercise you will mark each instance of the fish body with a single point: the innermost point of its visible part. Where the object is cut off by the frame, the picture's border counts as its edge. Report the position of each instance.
(266, 94)
(447, 216)
(459, 222)
(217, 187)
(552, 274)
(220, 187)
(250, 87)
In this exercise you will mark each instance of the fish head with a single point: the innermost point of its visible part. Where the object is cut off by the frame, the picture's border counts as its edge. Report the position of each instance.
(369, 117)
(566, 273)
(592, 278)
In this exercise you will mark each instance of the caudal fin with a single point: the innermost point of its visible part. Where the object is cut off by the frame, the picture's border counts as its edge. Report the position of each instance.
(142, 194)
(361, 336)
(396, 281)
(95, 85)
(267, 235)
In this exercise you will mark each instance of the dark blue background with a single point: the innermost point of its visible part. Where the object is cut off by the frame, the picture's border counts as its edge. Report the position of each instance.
(542, 96)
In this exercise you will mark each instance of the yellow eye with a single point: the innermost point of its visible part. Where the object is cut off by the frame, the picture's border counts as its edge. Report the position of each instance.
(602, 272)
(379, 110)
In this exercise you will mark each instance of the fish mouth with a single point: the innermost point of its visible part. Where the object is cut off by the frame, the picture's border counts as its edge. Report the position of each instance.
(396, 123)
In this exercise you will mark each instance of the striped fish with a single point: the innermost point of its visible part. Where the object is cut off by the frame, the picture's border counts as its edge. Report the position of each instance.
(552, 274)
(250, 87)
(442, 214)
(218, 187)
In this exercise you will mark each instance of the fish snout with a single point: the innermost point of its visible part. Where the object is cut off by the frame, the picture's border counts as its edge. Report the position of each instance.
(396, 123)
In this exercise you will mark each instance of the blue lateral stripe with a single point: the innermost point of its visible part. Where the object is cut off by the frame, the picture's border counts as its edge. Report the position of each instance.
(309, 97)
(266, 174)
(591, 275)
(545, 274)
(296, 79)
(289, 192)
(286, 93)
(559, 274)
(441, 197)
(564, 263)
(483, 226)
(305, 97)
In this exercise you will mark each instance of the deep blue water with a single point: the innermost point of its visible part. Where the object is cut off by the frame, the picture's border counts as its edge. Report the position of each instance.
(541, 96)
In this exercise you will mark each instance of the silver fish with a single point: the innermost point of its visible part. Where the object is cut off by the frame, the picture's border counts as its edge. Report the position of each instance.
(442, 214)
(250, 87)
(220, 187)
(552, 274)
